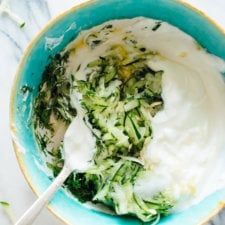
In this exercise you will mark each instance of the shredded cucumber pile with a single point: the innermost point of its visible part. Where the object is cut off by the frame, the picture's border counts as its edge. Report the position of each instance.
(120, 95)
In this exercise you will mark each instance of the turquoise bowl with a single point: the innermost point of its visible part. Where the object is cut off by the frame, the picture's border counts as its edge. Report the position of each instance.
(65, 28)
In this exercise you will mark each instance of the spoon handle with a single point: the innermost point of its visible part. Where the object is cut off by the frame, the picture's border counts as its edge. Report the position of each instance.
(29, 216)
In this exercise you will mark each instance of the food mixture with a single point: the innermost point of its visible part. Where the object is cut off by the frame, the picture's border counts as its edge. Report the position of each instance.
(154, 101)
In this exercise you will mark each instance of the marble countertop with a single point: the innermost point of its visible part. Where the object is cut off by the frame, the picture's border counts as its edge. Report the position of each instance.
(13, 41)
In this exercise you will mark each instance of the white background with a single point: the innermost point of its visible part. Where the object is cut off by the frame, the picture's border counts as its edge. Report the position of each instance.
(13, 41)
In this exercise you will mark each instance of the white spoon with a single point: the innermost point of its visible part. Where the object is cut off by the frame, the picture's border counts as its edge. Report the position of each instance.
(79, 146)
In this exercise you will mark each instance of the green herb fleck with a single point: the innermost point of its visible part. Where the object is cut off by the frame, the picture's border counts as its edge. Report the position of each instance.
(25, 88)
(4, 204)
(157, 25)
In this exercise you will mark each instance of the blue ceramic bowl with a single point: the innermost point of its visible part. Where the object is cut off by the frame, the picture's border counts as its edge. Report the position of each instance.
(65, 28)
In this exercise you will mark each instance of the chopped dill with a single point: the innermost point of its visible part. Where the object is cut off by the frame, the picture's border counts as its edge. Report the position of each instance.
(157, 25)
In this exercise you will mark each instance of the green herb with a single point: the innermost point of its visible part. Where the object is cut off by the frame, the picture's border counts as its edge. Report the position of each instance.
(43, 140)
(22, 24)
(142, 49)
(7, 209)
(83, 186)
(25, 88)
(4, 204)
(54, 94)
(157, 25)
(98, 37)
(108, 26)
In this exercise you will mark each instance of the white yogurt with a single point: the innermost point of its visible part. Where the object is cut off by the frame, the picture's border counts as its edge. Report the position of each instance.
(186, 156)
(79, 145)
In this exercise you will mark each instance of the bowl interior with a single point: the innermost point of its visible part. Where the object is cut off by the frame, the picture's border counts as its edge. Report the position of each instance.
(52, 40)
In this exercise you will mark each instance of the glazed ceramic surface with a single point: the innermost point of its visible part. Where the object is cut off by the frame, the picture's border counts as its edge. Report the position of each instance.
(52, 40)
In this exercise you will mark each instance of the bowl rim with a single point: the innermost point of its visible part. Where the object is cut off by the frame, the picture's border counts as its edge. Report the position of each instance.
(17, 76)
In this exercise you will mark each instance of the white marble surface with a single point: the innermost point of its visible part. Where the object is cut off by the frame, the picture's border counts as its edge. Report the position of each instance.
(13, 41)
